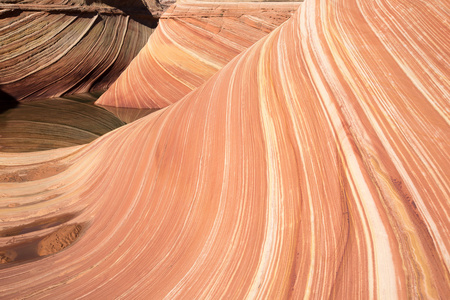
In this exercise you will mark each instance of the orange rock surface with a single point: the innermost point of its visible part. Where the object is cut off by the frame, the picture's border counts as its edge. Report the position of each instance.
(191, 43)
(313, 165)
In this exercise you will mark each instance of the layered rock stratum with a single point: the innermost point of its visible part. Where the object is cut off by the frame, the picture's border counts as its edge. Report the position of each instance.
(313, 165)
(56, 123)
(58, 47)
(192, 42)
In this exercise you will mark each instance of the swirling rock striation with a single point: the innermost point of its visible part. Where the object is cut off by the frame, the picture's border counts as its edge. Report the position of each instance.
(314, 164)
(192, 42)
(55, 123)
(51, 48)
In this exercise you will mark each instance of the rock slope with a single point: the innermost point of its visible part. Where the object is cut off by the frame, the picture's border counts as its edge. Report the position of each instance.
(54, 123)
(192, 42)
(313, 165)
(51, 48)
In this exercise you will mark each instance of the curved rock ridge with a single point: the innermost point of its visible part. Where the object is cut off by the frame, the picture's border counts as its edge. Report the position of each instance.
(192, 42)
(51, 48)
(313, 165)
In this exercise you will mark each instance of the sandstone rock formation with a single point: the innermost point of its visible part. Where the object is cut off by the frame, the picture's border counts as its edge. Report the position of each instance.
(54, 123)
(192, 42)
(51, 48)
(129, 115)
(313, 165)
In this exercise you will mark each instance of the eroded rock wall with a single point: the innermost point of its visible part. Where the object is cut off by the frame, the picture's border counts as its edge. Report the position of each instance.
(51, 48)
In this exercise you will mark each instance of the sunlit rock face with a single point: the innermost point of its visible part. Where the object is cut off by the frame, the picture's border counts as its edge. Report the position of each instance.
(192, 42)
(313, 165)
(51, 48)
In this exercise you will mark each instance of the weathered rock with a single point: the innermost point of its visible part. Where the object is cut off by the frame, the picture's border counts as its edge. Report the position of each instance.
(51, 48)
(313, 165)
(54, 123)
(192, 42)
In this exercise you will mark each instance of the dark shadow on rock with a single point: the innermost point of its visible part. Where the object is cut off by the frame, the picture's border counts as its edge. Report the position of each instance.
(9, 13)
(7, 101)
(136, 9)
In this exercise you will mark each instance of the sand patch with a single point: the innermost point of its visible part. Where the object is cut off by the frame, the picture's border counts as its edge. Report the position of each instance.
(59, 239)
(7, 256)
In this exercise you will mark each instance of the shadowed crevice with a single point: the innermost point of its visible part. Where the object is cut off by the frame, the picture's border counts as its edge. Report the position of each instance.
(7, 101)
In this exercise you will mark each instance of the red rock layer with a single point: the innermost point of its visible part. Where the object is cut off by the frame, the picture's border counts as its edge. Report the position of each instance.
(314, 165)
(192, 42)
(51, 48)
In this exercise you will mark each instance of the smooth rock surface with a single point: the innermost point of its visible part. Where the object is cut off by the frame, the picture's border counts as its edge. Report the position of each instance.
(192, 42)
(313, 165)
(55, 123)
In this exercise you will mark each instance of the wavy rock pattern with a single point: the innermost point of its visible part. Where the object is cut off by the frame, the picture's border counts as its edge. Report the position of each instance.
(315, 164)
(51, 48)
(192, 42)
(55, 123)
